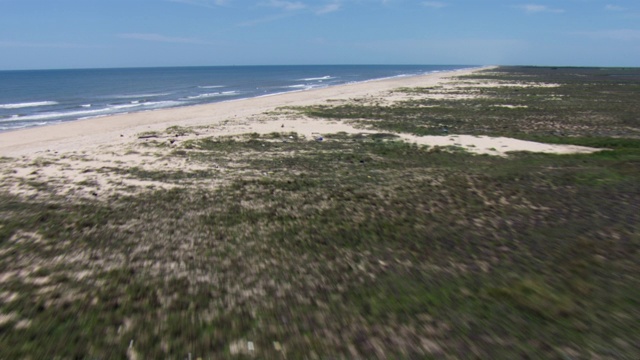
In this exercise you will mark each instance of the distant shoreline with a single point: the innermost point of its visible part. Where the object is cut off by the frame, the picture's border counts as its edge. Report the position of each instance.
(83, 133)
(41, 98)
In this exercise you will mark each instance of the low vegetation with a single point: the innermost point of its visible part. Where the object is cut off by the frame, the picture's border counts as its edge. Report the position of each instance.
(356, 246)
(516, 102)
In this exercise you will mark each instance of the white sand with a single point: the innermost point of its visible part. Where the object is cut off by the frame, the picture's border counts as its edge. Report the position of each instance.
(82, 158)
(244, 116)
(84, 135)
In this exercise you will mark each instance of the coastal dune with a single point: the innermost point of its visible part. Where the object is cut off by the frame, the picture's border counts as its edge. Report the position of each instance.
(314, 222)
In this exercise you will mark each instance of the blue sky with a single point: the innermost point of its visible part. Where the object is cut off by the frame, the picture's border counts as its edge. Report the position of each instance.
(41, 34)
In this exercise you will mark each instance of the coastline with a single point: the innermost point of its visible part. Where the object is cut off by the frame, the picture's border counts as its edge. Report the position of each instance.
(84, 134)
(63, 153)
(266, 230)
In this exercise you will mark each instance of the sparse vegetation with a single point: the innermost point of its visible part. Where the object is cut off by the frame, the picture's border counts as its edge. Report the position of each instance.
(357, 246)
(581, 102)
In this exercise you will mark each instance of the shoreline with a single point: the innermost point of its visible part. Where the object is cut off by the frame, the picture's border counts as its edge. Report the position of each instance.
(94, 107)
(83, 134)
(290, 233)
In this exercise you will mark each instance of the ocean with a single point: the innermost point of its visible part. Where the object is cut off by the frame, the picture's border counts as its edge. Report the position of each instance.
(42, 97)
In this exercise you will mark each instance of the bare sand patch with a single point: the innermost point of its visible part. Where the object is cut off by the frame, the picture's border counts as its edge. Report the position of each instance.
(511, 106)
(500, 146)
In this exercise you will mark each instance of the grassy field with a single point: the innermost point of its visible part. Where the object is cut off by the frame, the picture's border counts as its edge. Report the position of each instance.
(359, 246)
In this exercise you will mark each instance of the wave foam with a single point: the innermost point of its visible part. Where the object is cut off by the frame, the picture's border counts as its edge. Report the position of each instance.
(27, 104)
(113, 109)
(136, 96)
(26, 125)
(328, 77)
(210, 95)
(301, 87)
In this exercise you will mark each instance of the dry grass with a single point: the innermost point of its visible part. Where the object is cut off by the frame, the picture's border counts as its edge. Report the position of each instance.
(357, 246)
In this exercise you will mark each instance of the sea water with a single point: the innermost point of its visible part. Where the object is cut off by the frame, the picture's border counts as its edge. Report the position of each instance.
(42, 97)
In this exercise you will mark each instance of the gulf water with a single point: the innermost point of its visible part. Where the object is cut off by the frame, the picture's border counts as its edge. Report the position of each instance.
(42, 97)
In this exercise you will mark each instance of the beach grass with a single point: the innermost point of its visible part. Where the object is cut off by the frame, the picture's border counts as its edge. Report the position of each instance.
(565, 102)
(356, 246)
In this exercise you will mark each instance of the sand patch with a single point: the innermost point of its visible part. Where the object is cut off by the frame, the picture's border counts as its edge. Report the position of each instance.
(499, 146)
(507, 106)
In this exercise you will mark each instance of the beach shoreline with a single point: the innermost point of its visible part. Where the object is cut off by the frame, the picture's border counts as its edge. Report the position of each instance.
(85, 134)
(263, 228)
(64, 153)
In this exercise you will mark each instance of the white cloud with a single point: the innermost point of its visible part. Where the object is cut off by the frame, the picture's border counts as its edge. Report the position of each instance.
(286, 5)
(162, 38)
(292, 8)
(616, 34)
(434, 4)
(450, 50)
(329, 8)
(611, 7)
(22, 44)
(263, 20)
(203, 3)
(535, 8)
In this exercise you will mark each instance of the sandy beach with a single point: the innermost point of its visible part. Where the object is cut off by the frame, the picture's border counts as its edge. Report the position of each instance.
(246, 116)
(385, 219)
(66, 156)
